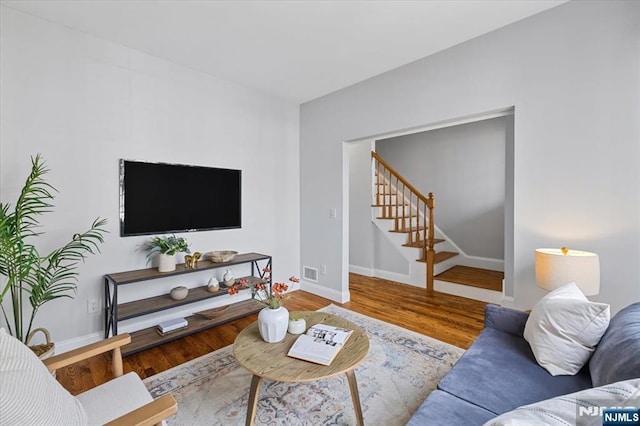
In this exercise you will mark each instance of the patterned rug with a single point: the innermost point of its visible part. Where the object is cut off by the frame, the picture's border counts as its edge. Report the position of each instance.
(400, 370)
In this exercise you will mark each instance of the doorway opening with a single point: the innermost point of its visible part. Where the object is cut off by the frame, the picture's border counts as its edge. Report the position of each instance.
(468, 164)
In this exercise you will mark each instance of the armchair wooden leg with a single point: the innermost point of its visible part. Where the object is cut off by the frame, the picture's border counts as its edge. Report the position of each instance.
(116, 362)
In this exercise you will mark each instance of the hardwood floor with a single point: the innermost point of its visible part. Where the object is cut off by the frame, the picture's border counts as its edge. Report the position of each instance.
(452, 319)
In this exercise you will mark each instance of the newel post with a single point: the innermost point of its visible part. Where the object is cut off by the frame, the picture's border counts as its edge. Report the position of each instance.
(431, 254)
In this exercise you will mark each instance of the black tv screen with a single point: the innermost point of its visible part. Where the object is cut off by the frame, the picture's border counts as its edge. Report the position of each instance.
(157, 198)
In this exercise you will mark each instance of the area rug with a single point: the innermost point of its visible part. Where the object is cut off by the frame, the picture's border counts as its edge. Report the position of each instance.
(400, 370)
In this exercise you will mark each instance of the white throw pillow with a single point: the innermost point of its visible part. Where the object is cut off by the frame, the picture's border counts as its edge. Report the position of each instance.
(29, 395)
(564, 328)
(579, 408)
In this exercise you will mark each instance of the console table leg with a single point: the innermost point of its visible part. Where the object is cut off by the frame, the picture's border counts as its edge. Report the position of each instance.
(355, 396)
(252, 404)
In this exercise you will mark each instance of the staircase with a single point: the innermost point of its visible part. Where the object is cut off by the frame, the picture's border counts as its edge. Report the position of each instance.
(408, 216)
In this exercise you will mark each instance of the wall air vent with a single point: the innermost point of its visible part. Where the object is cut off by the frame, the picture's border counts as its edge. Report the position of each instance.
(310, 274)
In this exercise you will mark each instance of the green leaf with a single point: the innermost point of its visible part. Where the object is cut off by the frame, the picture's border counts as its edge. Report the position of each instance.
(30, 276)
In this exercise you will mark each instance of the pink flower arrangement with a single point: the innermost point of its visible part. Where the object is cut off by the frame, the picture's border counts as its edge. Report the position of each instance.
(272, 296)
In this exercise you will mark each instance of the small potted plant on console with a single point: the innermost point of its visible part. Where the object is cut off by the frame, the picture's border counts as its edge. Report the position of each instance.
(166, 249)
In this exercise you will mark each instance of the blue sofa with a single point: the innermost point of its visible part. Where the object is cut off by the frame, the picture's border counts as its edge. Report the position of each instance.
(499, 373)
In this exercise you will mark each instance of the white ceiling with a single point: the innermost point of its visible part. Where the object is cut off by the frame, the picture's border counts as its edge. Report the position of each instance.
(298, 50)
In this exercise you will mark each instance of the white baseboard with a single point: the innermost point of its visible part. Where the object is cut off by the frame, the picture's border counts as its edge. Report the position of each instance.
(507, 301)
(367, 272)
(328, 293)
(394, 276)
(76, 342)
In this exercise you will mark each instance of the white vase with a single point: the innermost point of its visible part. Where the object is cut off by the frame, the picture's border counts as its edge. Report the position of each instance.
(166, 262)
(273, 324)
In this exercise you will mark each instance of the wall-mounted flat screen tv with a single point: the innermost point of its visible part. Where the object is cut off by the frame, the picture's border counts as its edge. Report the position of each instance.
(157, 198)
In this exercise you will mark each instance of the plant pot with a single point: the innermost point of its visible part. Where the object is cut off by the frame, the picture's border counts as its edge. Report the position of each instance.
(297, 326)
(273, 324)
(44, 350)
(166, 262)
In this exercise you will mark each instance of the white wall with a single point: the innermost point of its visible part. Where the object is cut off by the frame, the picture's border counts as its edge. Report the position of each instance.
(84, 103)
(573, 75)
(464, 166)
(360, 226)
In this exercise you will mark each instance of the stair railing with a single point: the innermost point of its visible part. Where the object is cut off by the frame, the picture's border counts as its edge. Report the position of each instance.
(399, 200)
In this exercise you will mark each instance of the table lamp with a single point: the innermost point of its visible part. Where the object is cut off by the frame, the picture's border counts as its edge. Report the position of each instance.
(556, 267)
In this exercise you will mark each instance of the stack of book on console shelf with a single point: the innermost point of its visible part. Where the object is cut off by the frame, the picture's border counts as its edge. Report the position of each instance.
(320, 344)
(171, 326)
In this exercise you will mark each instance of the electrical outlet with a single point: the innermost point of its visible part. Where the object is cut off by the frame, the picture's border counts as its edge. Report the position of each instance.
(323, 269)
(92, 306)
(333, 213)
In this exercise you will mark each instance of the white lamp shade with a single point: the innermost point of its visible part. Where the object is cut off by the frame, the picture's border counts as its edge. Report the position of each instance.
(555, 268)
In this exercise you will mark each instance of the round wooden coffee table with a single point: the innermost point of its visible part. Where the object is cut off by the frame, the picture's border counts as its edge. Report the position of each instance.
(270, 360)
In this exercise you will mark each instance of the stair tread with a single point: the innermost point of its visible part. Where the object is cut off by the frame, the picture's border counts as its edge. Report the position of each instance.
(474, 277)
(441, 256)
(418, 244)
(407, 229)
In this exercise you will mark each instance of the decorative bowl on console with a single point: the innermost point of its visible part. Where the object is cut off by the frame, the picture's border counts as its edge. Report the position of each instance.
(222, 255)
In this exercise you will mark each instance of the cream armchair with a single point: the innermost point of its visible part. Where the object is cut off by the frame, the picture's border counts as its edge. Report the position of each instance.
(29, 395)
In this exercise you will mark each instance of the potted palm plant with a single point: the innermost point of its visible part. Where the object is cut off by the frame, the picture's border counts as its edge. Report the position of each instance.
(166, 248)
(32, 279)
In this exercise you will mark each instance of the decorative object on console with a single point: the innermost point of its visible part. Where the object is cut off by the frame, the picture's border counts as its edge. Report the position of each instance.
(29, 275)
(191, 261)
(212, 313)
(213, 285)
(297, 325)
(557, 267)
(166, 249)
(221, 256)
(179, 293)
(172, 325)
(564, 328)
(228, 278)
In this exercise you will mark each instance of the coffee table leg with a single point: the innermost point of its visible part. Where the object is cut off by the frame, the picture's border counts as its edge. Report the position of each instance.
(355, 396)
(252, 404)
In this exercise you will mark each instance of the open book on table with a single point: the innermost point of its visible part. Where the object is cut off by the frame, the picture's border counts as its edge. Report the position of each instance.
(320, 344)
